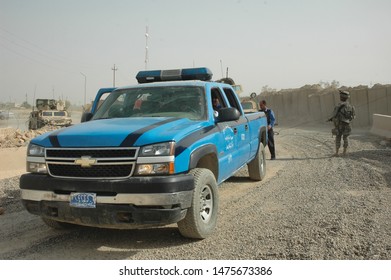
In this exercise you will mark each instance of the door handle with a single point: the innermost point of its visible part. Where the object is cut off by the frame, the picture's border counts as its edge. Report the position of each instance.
(246, 127)
(235, 130)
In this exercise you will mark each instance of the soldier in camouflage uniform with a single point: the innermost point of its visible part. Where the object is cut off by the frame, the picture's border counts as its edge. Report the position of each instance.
(342, 116)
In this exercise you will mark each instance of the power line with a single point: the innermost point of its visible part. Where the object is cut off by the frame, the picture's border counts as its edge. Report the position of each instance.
(35, 60)
(26, 47)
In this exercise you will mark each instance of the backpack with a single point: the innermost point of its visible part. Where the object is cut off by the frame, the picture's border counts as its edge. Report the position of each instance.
(348, 113)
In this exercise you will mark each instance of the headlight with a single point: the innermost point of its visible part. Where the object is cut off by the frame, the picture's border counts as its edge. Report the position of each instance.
(156, 159)
(161, 149)
(35, 151)
(36, 159)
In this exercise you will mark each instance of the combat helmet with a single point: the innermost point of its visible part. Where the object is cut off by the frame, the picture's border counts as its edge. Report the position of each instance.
(344, 94)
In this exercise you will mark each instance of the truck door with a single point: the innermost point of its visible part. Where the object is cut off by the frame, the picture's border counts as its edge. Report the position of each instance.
(100, 97)
(241, 131)
(230, 138)
(225, 141)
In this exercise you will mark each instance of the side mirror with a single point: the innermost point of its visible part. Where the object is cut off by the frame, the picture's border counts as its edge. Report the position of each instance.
(228, 114)
(86, 116)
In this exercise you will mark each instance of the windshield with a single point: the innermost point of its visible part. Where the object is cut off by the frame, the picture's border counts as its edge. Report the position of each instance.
(47, 114)
(174, 101)
(59, 114)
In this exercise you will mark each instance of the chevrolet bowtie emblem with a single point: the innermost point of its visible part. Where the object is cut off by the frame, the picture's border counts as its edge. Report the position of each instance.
(85, 161)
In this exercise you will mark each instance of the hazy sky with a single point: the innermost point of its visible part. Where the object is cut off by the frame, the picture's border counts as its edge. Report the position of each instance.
(45, 45)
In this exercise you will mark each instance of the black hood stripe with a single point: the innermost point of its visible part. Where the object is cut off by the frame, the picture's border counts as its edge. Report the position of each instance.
(53, 137)
(132, 137)
(193, 137)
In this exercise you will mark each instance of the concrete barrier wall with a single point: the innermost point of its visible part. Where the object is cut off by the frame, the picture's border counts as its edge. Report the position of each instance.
(389, 100)
(287, 100)
(279, 111)
(314, 105)
(327, 105)
(317, 104)
(303, 106)
(295, 105)
(359, 99)
(381, 125)
(377, 100)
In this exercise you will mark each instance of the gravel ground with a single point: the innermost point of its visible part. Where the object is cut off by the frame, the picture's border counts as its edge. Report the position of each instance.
(310, 206)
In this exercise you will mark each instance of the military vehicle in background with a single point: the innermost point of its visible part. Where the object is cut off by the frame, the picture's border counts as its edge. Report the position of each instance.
(49, 112)
(250, 104)
(230, 81)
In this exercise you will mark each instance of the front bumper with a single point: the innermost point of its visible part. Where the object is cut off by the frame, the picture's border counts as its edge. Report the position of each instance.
(130, 203)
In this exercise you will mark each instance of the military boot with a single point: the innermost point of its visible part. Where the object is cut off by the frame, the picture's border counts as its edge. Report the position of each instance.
(345, 149)
(336, 152)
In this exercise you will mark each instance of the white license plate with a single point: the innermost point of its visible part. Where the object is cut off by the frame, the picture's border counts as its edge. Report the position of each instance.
(83, 200)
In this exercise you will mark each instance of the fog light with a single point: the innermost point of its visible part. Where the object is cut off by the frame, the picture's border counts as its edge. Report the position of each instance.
(36, 167)
(144, 169)
(156, 168)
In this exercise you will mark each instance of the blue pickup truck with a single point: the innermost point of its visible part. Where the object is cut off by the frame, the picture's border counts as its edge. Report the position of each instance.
(146, 155)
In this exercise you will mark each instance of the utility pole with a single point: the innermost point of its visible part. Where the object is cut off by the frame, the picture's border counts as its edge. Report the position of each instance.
(146, 47)
(221, 66)
(85, 88)
(114, 69)
(35, 89)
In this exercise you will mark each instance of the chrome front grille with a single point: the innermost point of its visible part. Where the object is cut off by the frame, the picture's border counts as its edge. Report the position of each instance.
(91, 163)
(129, 153)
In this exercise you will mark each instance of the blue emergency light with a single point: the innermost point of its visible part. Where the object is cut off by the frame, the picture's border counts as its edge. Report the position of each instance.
(149, 76)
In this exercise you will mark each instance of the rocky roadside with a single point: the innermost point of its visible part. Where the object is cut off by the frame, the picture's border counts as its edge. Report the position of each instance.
(11, 137)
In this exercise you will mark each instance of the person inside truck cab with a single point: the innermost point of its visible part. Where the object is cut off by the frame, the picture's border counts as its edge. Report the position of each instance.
(216, 106)
(216, 103)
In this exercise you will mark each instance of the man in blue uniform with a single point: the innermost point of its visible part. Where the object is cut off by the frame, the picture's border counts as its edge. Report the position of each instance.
(270, 125)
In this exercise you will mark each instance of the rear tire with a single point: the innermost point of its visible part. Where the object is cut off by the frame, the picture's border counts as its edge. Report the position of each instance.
(201, 218)
(257, 167)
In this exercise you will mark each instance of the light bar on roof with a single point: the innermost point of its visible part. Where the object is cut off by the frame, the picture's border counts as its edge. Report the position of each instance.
(149, 76)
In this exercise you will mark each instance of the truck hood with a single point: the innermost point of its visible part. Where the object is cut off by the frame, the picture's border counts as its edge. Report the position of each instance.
(126, 132)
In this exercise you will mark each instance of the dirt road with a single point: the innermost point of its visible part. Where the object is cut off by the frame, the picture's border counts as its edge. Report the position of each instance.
(310, 206)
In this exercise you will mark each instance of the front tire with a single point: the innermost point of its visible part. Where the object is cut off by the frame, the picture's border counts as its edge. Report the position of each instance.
(257, 167)
(201, 218)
